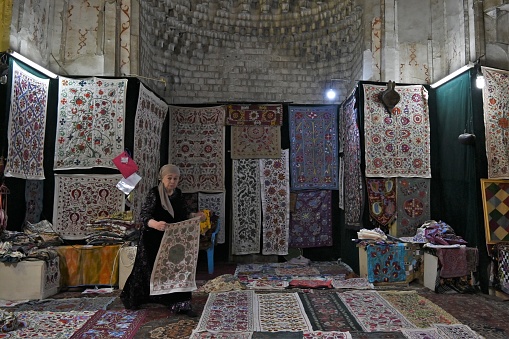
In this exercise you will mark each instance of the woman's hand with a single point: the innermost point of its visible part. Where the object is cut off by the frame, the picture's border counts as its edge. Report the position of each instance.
(158, 225)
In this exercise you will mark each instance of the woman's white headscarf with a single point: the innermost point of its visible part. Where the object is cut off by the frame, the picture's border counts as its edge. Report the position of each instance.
(163, 195)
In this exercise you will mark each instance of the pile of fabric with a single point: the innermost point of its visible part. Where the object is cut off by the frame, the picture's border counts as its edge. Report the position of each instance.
(116, 228)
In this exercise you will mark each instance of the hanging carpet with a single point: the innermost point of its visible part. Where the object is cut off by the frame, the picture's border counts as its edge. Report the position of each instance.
(397, 144)
(246, 207)
(496, 121)
(27, 125)
(413, 201)
(275, 189)
(197, 147)
(313, 147)
(382, 200)
(311, 222)
(82, 198)
(91, 119)
(148, 125)
(255, 142)
(353, 182)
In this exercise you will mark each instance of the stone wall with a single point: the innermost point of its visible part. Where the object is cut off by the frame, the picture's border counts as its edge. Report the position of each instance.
(257, 51)
(200, 51)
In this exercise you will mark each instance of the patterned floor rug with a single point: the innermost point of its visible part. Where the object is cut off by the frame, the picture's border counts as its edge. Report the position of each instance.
(419, 310)
(41, 324)
(373, 312)
(327, 312)
(441, 331)
(111, 324)
(484, 314)
(280, 312)
(353, 283)
(66, 305)
(228, 312)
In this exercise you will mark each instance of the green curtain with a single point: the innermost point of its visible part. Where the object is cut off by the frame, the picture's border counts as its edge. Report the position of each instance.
(456, 167)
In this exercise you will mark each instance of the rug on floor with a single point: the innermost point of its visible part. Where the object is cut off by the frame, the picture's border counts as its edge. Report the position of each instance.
(49, 324)
(327, 312)
(66, 305)
(441, 331)
(489, 318)
(373, 312)
(228, 312)
(112, 324)
(353, 283)
(221, 335)
(417, 309)
(280, 312)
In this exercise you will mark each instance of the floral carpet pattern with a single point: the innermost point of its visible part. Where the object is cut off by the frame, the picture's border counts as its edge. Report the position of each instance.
(111, 324)
(197, 140)
(175, 265)
(27, 121)
(91, 118)
(148, 124)
(81, 198)
(397, 142)
(246, 207)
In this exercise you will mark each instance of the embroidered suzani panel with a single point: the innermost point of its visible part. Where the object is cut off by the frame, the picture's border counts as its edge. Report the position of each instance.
(353, 178)
(148, 125)
(90, 122)
(313, 147)
(311, 222)
(255, 142)
(275, 190)
(254, 114)
(496, 121)
(197, 147)
(382, 200)
(27, 125)
(175, 266)
(413, 201)
(80, 199)
(397, 143)
(246, 207)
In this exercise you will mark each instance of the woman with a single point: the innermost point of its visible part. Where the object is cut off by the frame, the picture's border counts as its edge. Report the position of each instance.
(163, 205)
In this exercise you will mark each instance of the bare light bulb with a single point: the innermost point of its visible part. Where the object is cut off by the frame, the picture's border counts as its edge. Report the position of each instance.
(331, 94)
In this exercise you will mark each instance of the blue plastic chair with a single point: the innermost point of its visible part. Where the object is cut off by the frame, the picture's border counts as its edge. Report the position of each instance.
(210, 250)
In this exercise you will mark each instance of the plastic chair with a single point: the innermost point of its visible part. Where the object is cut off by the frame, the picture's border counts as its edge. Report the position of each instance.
(210, 250)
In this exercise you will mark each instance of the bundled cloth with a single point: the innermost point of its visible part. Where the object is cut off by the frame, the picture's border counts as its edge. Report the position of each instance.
(375, 234)
(439, 233)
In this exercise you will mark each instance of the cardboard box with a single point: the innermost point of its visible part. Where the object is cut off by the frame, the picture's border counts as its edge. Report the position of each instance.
(29, 279)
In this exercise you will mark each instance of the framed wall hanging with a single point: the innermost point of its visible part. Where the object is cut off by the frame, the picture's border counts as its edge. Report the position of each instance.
(495, 199)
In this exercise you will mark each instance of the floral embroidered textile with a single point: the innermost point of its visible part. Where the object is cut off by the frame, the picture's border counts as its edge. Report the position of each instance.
(148, 124)
(80, 198)
(397, 144)
(175, 266)
(413, 203)
(255, 114)
(197, 147)
(496, 121)
(313, 147)
(275, 189)
(246, 207)
(353, 177)
(311, 223)
(90, 122)
(27, 124)
(382, 199)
